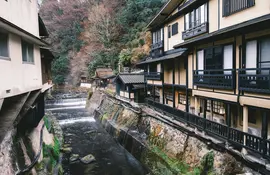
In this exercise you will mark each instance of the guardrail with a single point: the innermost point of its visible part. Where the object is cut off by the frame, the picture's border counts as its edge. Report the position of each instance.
(254, 80)
(220, 78)
(232, 135)
(153, 75)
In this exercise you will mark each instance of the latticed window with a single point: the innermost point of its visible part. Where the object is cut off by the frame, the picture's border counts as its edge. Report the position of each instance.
(233, 6)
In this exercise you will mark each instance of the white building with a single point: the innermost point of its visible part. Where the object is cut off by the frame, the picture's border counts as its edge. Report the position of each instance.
(22, 63)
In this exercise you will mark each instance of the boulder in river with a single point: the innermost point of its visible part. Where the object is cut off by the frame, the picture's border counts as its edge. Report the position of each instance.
(73, 158)
(88, 159)
(67, 150)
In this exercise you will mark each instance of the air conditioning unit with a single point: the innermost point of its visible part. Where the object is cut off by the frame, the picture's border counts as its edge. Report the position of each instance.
(219, 120)
(254, 131)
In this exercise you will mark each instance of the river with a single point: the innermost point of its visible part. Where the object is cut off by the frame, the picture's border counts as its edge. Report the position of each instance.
(86, 136)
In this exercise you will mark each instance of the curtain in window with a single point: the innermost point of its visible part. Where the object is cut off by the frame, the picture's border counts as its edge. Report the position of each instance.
(201, 61)
(187, 21)
(251, 56)
(228, 58)
(265, 55)
(192, 19)
(202, 13)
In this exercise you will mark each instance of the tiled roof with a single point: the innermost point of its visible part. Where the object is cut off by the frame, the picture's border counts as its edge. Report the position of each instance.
(179, 53)
(104, 73)
(131, 78)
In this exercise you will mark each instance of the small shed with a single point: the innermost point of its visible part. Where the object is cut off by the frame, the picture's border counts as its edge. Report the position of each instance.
(103, 76)
(131, 86)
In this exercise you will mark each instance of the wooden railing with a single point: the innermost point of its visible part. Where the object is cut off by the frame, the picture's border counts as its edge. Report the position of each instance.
(198, 29)
(157, 45)
(153, 75)
(234, 6)
(232, 135)
(254, 80)
(220, 78)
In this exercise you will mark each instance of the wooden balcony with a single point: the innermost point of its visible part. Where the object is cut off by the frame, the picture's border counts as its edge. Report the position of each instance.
(254, 80)
(157, 49)
(157, 45)
(220, 78)
(218, 130)
(195, 31)
(154, 76)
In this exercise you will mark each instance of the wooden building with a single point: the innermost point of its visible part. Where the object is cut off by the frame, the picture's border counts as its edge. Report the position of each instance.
(210, 67)
(103, 76)
(131, 86)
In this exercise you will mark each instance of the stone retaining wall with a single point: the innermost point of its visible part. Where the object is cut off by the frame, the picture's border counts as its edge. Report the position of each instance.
(172, 148)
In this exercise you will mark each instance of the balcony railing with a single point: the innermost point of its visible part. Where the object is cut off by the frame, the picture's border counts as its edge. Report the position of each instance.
(195, 31)
(157, 45)
(255, 80)
(220, 79)
(153, 75)
(232, 135)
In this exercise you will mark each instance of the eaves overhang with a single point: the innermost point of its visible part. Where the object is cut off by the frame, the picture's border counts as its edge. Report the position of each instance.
(12, 28)
(163, 14)
(180, 53)
(253, 25)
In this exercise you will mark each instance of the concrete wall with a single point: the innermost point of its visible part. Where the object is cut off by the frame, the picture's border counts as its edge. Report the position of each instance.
(22, 13)
(17, 76)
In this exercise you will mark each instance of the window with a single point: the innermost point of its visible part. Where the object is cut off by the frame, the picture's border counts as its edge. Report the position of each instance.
(217, 106)
(182, 99)
(175, 29)
(157, 36)
(257, 55)
(252, 115)
(27, 52)
(4, 45)
(264, 53)
(217, 57)
(169, 31)
(196, 17)
(232, 6)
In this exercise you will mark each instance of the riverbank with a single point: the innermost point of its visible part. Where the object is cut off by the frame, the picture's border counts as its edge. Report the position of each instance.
(161, 146)
(87, 147)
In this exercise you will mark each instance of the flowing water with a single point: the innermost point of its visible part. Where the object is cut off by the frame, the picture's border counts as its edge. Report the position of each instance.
(86, 136)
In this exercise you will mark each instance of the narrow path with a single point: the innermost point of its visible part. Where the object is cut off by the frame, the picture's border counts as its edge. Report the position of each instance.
(86, 136)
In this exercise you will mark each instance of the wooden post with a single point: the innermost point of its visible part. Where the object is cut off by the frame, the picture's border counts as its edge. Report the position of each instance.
(187, 102)
(173, 83)
(245, 126)
(163, 72)
(204, 113)
(264, 132)
(228, 119)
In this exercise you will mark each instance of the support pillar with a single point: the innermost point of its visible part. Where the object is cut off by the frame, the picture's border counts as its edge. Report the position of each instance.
(245, 125)
(228, 119)
(197, 106)
(204, 113)
(173, 83)
(264, 132)
(163, 72)
(187, 100)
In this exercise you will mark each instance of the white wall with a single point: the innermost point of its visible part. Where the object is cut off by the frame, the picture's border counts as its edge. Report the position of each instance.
(16, 75)
(22, 13)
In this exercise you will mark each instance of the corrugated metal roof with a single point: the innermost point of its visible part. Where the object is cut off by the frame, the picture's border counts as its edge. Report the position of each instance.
(131, 78)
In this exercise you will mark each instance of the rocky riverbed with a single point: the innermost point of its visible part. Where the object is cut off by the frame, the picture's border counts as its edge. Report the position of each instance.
(87, 147)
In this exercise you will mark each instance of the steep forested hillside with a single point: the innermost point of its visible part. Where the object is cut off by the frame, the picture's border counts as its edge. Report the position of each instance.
(91, 33)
